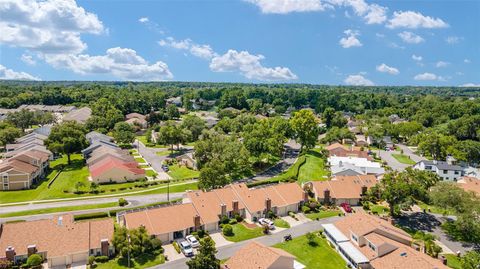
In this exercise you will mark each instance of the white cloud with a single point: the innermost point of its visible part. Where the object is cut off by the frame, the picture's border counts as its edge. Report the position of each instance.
(371, 13)
(249, 66)
(440, 64)
(9, 74)
(409, 37)
(470, 85)
(28, 59)
(413, 20)
(452, 40)
(288, 6)
(51, 26)
(122, 63)
(428, 76)
(358, 80)
(467, 61)
(387, 69)
(202, 51)
(350, 40)
(417, 58)
(144, 20)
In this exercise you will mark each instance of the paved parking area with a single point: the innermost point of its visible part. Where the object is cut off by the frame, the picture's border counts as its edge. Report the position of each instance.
(219, 240)
(171, 253)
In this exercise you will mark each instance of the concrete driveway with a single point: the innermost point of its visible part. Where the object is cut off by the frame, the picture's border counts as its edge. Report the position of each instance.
(219, 240)
(293, 222)
(171, 253)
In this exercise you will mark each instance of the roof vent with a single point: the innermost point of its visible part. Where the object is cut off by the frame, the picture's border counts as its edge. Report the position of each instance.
(403, 254)
(60, 221)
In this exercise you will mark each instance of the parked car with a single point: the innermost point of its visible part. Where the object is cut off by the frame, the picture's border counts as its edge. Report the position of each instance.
(346, 207)
(268, 222)
(193, 241)
(186, 248)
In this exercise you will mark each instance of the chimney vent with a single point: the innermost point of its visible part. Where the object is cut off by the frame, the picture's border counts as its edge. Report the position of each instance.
(10, 253)
(31, 249)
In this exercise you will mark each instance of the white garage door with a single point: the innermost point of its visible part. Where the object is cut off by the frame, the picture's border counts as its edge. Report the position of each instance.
(57, 261)
(79, 258)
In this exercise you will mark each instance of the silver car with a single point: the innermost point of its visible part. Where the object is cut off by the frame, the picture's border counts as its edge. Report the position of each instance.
(186, 248)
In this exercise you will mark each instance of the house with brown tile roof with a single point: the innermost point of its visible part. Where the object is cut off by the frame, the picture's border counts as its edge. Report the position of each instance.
(339, 150)
(366, 241)
(258, 256)
(60, 241)
(17, 175)
(342, 189)
(135, 115)
(166, 223)
(79, 115)
(470, 184)
(111, 169)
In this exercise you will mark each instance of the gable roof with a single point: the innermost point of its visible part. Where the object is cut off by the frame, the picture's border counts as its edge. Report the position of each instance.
(257, 256)
(470, 184)
(79, 115)
(442, 165)
(344, 187)
(164, 219)
(57, 239)
(17, 166)
(135, 115)
(111, 163)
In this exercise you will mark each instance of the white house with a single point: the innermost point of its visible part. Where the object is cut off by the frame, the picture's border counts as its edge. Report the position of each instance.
(446, 170)
(354, 166)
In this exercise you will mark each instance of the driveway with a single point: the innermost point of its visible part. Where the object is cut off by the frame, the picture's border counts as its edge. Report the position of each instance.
(219, 240)
(227, 251)
(293, 222)
(171, 253)
(391, 161)
(428, 222)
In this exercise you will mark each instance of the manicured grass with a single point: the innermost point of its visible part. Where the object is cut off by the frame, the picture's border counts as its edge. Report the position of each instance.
(182, 172)
(313, 168)
(323, 214)
(241, 233)
(379, 209)
(177, 188)
(403, 158)
(319, 255)
(150, 173)
(167, 152)
(453, 261)
(280, 223)
(143, 261)
(140, 160)
(142, 138)
(435, 209)
(57, 209)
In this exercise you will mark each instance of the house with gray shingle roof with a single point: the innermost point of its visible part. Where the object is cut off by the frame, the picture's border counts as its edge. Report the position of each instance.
(446, 170)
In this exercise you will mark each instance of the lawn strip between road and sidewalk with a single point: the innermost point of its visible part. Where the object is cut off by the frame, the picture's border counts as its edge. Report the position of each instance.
(57, 209)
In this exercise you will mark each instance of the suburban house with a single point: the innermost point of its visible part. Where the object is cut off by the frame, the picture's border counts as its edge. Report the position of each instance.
(25, 162)
(342, 189)
(174, 101)
(368, 242)
(446, 170)
(79, 115)
(354, 166)
(340, 150)
(112, 169)
(470, 184)
(60, 241)
(258, 256)
(187, 160)
(166, 223)
(109, 163)
(47, 108)
(136, 119)
(203, 210)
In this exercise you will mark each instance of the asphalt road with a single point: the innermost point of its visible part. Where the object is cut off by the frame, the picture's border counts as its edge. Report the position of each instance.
(132, 200)
(393, 163)
(269, 240)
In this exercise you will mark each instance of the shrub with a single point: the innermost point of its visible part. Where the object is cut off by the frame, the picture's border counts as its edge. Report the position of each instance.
(91, 260)
(305, 209)
(271, 215)
(91, 216)
(156, 243)
(238, 218)
(34, 260)
(202, 233)
(101, 259)
(227, 230)
(266, 229)
(232, 221)
(176, 246)
(122, 202)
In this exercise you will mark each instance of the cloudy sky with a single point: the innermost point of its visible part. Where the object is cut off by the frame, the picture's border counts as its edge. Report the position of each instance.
(351, 42)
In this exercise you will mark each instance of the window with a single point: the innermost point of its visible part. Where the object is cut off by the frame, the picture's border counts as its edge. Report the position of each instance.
(372, 247)
(428, 167)
(456, 172)
(445, 171)
(354, 238)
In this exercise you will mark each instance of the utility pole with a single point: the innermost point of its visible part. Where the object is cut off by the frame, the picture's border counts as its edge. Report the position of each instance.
(128, 236)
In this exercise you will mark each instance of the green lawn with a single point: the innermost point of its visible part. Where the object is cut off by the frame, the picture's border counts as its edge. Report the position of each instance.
(453, 261)
(403, 158)
(319, 255)
(435, 209)
(313, 168)
(323, 214)
(57, 209)
(241, 233)
(142, 138)
(182, 172)
(379, 209)
(140, 160)
(280, 223)
(167, 152)
(177, 188)
(144, 261)
(150, 173)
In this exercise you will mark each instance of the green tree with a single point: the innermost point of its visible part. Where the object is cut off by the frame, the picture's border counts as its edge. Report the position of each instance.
(470, 260)
(9, 134)
(104, 115)
(336, 134)
(172, 112)
(123, 133)
(213, 175)
(22, 119)
(304, 128)
(205, 259)
(328, 115)
(448, 195)
(311, 238)
(67, 138)
(194, 124)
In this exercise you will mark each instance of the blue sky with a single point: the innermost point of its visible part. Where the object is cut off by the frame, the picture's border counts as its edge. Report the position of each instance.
(348, 42)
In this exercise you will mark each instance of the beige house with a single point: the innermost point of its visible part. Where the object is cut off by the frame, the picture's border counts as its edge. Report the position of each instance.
(258, 256)
(17, 175)
(60, 241)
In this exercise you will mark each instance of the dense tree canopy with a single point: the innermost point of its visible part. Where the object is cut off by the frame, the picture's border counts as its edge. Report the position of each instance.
(67, 138)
